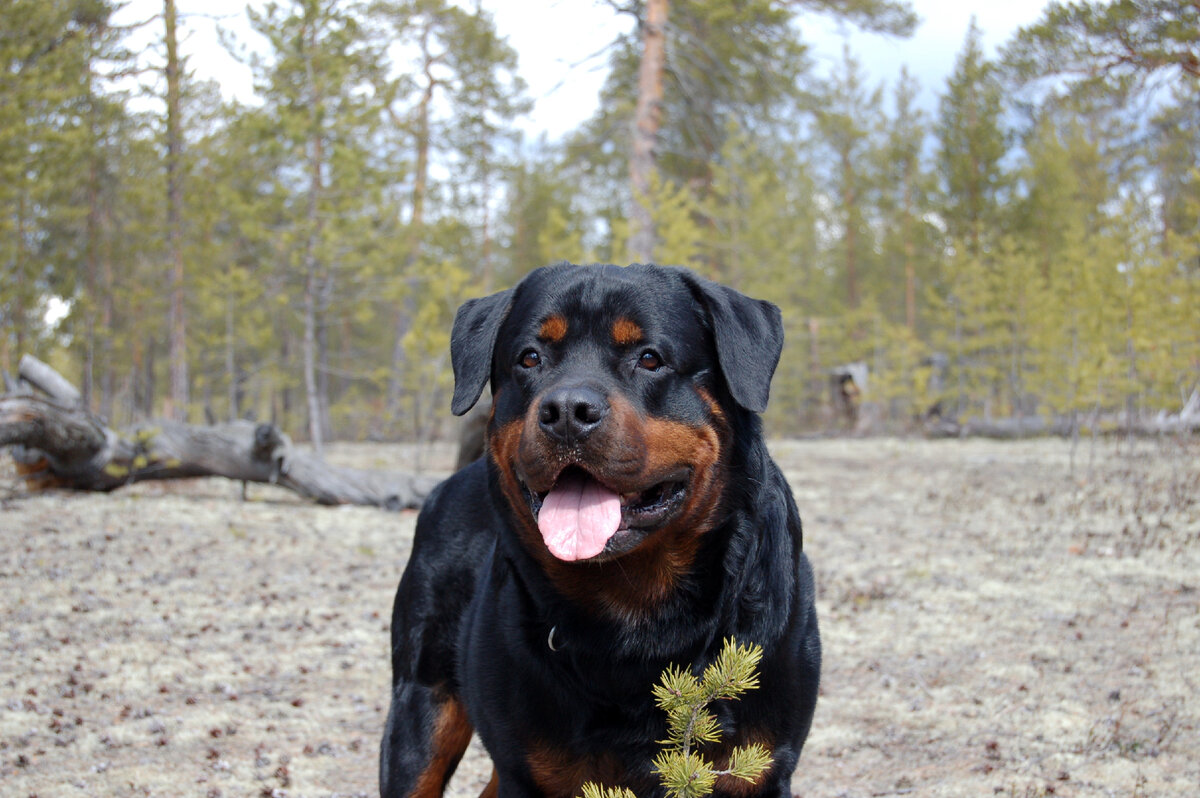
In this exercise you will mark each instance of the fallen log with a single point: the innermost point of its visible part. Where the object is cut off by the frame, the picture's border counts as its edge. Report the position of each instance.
(1185, 422)
(999, 428)
(57, 444)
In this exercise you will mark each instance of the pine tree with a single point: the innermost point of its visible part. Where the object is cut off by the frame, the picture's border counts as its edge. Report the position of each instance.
(730, 64)
(674, 215)
(43, 64)
(242, 290)
(489, 98)
(177, 357)
(846, 119)
(541, 222)
(462, 64)
(759, 231)
(320, 91)
(971, 145)
(59, 130)
(1071, 239)
(1174, 142)
(1114, 45)
(909, 241)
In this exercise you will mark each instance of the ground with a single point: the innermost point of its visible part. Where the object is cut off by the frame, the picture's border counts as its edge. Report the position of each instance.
(1015, 619)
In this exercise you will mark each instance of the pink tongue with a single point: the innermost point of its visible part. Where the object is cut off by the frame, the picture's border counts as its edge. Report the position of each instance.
(578, 517)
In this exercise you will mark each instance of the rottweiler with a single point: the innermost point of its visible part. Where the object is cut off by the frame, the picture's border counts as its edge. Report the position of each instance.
(626, 517)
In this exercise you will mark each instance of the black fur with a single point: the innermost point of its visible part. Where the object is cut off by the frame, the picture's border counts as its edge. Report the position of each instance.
(551, 680)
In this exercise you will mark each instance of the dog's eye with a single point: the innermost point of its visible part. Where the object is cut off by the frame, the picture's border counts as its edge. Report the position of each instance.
(530, 358)
(649, 360)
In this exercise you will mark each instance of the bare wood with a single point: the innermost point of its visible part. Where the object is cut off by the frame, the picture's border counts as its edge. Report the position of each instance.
(58, 445)
(47, 380)
(16, 385)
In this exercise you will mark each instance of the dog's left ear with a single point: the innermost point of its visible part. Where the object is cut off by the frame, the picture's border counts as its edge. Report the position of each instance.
(749, 338)
(472, 342)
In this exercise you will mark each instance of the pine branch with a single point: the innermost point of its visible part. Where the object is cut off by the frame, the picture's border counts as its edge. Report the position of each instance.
(685, 699)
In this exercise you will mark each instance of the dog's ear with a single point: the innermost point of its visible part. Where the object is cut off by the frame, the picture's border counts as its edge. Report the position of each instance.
(749, 338)
(472, 342)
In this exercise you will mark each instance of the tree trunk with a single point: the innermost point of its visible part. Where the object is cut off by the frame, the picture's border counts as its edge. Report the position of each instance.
(910, 277)
(324, 370)
(91, 257)
(850, 235)
(489, 277)
(416, 226)
(177, 398)
(313, 225)
(230, 351)
(646, 123)
(309, 353)
(58, 444)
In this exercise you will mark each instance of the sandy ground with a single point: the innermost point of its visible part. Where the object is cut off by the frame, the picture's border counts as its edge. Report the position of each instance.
(995, 622)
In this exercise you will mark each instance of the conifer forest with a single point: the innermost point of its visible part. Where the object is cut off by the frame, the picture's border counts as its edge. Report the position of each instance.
(1028, 248)
(191, 279)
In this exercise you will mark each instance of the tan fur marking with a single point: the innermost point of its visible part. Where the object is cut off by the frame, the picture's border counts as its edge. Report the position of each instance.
(451, 735)
(654, 569)
(502, 446)
(717, 413)
(559, 774)
(553, 329)
(626, 332)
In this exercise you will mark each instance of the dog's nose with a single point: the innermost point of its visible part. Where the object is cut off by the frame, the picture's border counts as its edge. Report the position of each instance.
(572, 413)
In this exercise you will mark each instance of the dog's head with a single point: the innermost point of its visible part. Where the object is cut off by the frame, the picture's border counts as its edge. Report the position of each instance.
(613, 396)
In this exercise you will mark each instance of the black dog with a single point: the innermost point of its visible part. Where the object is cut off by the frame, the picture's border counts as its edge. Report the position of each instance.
(626, 517)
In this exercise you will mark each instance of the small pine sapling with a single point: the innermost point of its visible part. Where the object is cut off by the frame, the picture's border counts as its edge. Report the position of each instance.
(690, 725)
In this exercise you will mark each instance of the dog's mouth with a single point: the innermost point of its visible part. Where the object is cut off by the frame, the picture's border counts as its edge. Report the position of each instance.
(581, 518)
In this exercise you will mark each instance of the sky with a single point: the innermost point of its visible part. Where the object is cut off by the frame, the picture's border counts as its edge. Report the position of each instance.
(560, 44)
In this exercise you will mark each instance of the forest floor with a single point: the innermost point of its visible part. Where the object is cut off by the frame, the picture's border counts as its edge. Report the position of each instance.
(996, 621)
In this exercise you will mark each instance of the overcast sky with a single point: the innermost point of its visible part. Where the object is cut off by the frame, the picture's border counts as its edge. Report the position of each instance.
(558, 41)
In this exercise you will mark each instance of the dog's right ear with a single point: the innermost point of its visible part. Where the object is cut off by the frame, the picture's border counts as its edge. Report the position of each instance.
(472, 342)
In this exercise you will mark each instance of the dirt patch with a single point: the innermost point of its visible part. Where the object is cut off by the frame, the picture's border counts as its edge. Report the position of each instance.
(995, 622)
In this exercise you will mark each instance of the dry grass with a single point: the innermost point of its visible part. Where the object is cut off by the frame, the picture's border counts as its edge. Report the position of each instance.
(994, 624)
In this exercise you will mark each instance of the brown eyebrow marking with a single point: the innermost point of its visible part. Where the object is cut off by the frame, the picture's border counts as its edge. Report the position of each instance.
(626, 332)
(554, 329)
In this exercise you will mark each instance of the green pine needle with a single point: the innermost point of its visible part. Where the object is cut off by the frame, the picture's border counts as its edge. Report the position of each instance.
(733, 672)
(593, 790)
(748, 762)
(677, 689)
(685, 775)
(705, 728)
